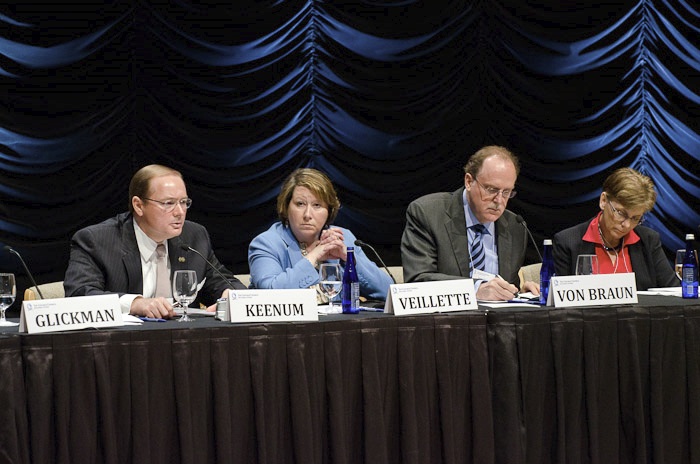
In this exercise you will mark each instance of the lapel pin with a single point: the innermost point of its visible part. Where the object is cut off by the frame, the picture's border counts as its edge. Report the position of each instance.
(181, 259)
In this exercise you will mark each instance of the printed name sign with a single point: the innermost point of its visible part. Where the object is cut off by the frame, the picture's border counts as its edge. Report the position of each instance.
(430, 297)
(592, 290)
(75, 313)
(273, 305)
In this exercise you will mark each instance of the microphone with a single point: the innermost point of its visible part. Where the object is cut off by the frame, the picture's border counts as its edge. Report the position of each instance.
(31, 277)
(186, 247)
(360, 243)
(520, 220)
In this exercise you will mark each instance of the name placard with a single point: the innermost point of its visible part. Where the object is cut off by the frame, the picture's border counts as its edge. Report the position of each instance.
(273, 305)
(430, 297)
(75, 313)
(592, 290)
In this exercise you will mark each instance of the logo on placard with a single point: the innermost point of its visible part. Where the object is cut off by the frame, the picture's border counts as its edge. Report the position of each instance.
(30, 306)
(393, 290)
(555, 281)
(232, 295)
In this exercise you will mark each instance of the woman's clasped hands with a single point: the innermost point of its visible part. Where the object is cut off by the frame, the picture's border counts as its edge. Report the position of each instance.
(329, 246)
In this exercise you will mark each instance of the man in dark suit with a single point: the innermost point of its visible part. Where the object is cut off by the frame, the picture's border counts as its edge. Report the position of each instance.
(443, 228)
(120, 255)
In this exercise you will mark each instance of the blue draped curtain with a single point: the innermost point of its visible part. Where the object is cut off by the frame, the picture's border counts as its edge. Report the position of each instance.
(388, 98)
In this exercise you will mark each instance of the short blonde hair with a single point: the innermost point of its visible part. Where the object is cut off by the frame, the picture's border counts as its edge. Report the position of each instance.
(630, 188)
(317, 182)
(140, 184)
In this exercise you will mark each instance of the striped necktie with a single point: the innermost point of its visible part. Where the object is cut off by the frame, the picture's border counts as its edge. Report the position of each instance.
(162, 275)
(477, 249)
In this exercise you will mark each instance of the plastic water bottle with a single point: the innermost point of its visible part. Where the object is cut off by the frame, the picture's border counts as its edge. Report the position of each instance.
(690, 269)
(351, 285)
(547, 270)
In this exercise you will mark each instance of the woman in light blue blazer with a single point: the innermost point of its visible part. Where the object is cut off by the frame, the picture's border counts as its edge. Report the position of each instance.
(288, 254)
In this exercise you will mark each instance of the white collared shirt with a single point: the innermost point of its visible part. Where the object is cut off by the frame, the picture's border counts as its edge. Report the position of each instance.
(147, 252)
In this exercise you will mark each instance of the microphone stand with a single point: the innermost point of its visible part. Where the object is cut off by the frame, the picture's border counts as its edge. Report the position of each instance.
(31, 277)
(186, 247)
(362, 244)
(520, 220)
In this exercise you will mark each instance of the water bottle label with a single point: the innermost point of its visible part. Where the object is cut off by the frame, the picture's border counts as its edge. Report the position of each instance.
(689, 274)
(355, 295)
(690, 282)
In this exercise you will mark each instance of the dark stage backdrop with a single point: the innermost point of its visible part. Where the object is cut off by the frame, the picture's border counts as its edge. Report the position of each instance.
(388, 98)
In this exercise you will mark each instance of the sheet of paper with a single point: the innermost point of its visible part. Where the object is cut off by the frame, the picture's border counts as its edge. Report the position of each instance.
(507, 304)
(527, 299)
(326, 309)
(667, 291)
(131, 320)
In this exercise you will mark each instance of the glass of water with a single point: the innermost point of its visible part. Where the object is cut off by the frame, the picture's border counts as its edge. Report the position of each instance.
(331, 282)
(586, 265)
(185, 291)
(8, 291)
(680, 257)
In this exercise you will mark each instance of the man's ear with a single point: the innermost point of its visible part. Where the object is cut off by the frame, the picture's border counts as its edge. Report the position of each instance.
(137, 204)
(468, 179)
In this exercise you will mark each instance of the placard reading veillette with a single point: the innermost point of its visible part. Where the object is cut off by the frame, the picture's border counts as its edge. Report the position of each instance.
(431, 297)
(75, 313)
(273, 305)
(592, 290)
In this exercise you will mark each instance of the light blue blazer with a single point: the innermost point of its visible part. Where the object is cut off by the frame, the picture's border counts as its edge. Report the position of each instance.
(275, 261)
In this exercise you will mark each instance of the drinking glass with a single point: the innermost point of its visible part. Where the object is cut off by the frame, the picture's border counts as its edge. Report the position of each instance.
(586, 265)
(331, 282)
(8, 291)
(185, 291)
(680, 257)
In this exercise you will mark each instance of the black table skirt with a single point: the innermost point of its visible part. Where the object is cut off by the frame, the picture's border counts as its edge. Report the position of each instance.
(612, 385)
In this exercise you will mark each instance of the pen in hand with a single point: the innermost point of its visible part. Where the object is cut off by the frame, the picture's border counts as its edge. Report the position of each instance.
(516, 294)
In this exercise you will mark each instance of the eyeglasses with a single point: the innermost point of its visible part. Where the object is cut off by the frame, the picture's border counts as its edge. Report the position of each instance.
(169, 205)
(621, 216)
(492, 192)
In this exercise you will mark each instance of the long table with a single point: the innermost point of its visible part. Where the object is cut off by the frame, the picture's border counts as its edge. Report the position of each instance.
(594, 385)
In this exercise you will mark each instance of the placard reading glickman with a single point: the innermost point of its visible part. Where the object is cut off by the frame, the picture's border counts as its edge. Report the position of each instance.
(76, 313)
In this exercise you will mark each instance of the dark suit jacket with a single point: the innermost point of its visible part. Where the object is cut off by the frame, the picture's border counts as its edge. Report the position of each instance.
(649, 262)
(104, 258)
(434, 245)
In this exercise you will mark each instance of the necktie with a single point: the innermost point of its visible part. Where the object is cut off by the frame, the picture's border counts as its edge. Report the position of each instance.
(477, 248)
(162, 274)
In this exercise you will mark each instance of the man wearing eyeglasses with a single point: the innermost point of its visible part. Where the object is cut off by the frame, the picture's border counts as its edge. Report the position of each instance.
(615, 235)
(135, 253)
(469, 233)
